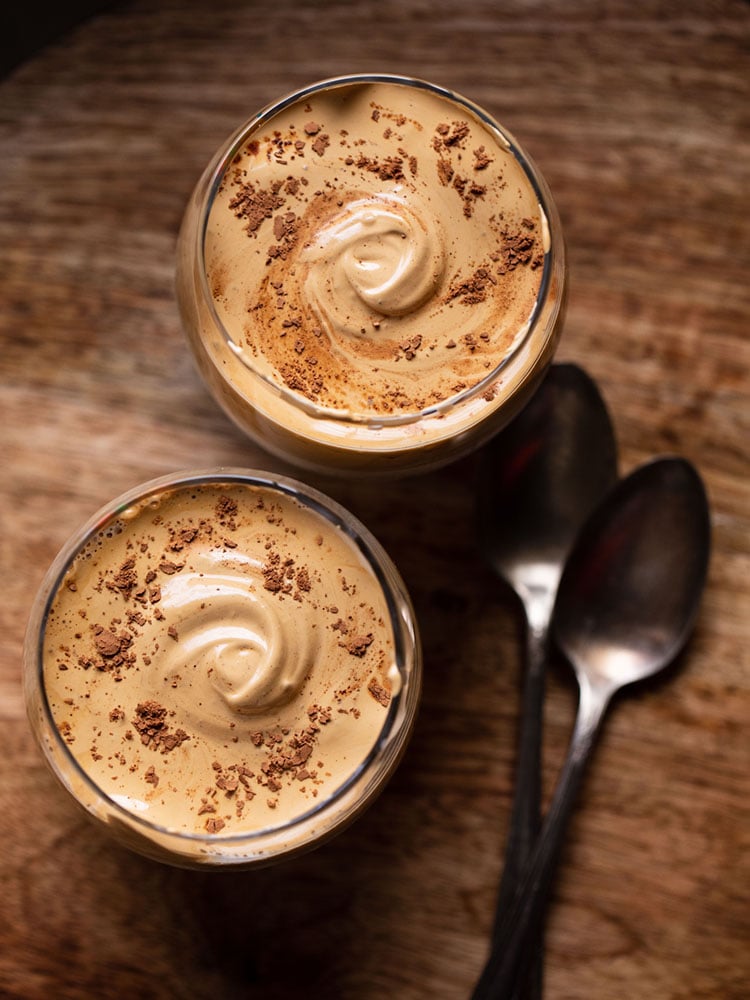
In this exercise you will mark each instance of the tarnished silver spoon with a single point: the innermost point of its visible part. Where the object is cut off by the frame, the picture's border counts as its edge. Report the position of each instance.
(539, 479)
(626, 604)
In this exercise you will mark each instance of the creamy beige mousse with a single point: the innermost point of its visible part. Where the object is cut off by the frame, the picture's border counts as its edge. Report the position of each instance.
(219, 659)
(375, 251)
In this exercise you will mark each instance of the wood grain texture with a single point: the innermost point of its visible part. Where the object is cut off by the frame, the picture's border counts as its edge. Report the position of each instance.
(638, 117)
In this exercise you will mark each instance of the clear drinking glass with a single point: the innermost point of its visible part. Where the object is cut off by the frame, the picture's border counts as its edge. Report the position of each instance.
(271, 399)
(89, 565)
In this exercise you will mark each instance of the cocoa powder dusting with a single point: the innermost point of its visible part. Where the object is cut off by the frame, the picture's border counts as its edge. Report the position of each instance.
(379, 693)
(253, 206)
(150, 722)
(474, 289)
(125, 579)
(358, 645)
(389, 168)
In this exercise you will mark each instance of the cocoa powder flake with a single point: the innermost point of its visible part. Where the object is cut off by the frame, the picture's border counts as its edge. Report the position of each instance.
(357, 645)
(379, 693)
(254, 206)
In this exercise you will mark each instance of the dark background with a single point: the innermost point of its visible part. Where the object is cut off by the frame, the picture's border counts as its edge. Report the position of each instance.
(24, 29)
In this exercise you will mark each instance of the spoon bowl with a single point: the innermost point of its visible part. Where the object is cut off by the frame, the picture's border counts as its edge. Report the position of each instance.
(632, 585)
(539, 480)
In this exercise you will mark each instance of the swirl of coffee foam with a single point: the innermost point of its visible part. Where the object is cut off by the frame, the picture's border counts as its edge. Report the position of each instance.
(252, 649)
(375, 257)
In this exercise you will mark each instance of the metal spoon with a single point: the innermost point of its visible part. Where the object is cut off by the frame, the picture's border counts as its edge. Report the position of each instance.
(626, 603)
(539, 480)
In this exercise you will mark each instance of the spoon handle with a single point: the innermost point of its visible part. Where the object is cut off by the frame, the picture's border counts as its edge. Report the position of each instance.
(524, 913)
(525, 820)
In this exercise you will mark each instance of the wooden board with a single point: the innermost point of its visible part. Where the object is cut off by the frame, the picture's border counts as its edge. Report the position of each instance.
(637, 115)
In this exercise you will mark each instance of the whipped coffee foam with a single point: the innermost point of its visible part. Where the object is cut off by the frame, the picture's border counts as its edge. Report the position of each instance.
(219, 658)
(375, 249)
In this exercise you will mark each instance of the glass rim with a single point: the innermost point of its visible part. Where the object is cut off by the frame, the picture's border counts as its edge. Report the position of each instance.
(402, 706)
(554, 257)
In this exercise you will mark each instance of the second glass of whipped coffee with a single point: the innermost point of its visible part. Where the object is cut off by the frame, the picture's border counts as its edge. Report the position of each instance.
(222, 668)
(371, 275)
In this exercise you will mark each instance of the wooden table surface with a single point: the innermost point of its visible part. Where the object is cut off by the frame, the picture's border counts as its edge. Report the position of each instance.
(638, 117)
